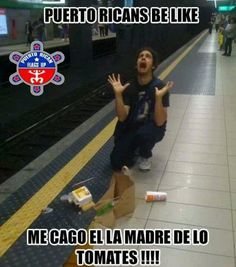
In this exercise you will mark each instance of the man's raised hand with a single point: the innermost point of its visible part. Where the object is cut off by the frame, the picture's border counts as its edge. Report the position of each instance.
(116, 84)
(164, 90)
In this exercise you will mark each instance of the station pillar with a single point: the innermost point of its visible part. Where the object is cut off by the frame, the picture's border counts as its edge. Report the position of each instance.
(80, 39)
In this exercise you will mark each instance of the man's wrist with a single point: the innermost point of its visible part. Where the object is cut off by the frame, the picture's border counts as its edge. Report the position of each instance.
(118, 94)
(159, 98)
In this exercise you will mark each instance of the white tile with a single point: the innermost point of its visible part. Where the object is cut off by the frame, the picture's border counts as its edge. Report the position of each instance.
(229, 100)
(141, 189)
(231, 142)
(217, 199)
(232, 160)
(231, 127)
(130, 223)
(232, 172)
(167, 141)
(232, 166)
(220, 241)
(233, 197)
(195, 181)
(234, 220)
(235, 240)
(142, 209)
(191, 215)
(173, 125)
(204, 109)
(211, 116)
(199, 126)
(180, 98)
(152, 177)
(173, 119)
(231, 135)
(203, 133)
(201, 148)
(230, 121)
(175, 112)
(163, 149)
(203, 140)
(229, 112)
(232, 150)
(206, 103)
(206, 100)
(220, 159)
(169, 135)
(161, 152)
(233, 185)
(175, 257)
(197, 168)
(205, 121)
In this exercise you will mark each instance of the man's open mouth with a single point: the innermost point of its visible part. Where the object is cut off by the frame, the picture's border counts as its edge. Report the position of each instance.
(143, 65)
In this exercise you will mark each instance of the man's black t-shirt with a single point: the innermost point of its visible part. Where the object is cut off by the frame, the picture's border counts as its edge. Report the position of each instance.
(141, 99)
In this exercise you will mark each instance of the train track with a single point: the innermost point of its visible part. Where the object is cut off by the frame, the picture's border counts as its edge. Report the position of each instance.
(21, 148)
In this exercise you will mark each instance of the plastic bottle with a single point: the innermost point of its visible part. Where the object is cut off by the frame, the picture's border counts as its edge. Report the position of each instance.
(155, 196)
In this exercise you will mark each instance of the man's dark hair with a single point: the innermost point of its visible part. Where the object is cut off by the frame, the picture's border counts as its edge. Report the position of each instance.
(149, 49)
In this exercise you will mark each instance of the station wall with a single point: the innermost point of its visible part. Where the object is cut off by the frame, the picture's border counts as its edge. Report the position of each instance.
(16, 19)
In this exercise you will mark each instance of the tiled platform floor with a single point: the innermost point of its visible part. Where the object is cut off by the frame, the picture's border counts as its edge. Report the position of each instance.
(196, 165)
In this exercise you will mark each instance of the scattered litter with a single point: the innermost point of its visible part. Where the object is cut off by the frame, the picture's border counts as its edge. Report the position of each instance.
(105, 209)
(126, 171)
(47, 210)
(65, 198)
(81, 197)
(155, 196)
(75, 185)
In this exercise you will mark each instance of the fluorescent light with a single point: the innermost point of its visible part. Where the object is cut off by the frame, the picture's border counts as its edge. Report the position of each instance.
(215, 4)
(225, 8)
(60, 2)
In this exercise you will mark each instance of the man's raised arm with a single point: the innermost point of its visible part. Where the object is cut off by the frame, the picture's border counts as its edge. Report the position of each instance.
(122, 110)
(160, 114)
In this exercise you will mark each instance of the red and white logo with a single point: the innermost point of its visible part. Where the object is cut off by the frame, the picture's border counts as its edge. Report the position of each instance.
(36, 68)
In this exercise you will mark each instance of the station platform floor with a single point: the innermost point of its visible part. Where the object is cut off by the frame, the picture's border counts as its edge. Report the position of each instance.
(56, 42)
(195, 164)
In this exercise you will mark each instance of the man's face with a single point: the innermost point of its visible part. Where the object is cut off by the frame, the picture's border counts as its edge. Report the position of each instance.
(145, 62)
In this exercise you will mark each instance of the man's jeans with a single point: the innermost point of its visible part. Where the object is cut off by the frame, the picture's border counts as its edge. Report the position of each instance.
(126, 143)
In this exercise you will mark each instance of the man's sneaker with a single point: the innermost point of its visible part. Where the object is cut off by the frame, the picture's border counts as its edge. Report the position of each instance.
(145, 164)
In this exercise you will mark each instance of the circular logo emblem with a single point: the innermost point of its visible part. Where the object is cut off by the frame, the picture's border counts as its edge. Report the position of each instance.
(36, 68)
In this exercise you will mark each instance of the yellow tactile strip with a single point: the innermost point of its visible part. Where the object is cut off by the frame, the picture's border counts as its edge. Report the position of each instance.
(25, 216)
(11, 230)
(170, 68)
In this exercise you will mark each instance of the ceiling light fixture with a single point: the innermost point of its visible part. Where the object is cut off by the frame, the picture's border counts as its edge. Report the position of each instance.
(215, 3)
(59, 2)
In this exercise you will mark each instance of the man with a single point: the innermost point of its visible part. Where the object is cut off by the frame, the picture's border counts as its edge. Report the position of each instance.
(230, 32)
(142, 113)
(29, 32)
(40, 28)
(217, 22)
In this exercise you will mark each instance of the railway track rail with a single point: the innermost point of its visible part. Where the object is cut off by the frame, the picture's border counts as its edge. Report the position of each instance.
(21, 148)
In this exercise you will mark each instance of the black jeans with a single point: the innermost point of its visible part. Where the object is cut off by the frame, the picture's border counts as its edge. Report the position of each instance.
(144, 138)
(228, 46)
